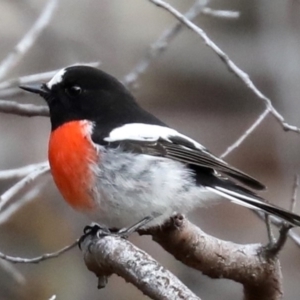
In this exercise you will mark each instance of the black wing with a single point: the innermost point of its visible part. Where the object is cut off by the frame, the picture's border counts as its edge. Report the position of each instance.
(182, 150)
(178, 147)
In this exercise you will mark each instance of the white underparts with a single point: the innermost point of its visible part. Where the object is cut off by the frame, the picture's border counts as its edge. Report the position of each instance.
(131, 187)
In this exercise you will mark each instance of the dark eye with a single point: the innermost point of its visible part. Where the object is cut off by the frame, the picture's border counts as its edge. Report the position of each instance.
(73, 90)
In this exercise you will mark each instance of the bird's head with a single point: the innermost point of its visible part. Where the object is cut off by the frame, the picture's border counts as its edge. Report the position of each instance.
(83, 93)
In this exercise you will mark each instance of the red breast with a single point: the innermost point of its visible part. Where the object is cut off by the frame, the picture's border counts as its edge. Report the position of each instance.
(71, 156)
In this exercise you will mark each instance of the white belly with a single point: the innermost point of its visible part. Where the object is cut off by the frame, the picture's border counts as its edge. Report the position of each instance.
(131, 187)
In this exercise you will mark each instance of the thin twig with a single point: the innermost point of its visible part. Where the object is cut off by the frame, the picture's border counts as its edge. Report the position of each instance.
(160, 45)
(227, 14)
(273, 248)
(19, 186)
(19, 202)
(38, 259)
(24, 110)
(28, 40)
(241, 139)
(268, 222)
(12, 271)
(21, 172)
(295, 237)
(278, 223)
(244, 77)
(295, 191)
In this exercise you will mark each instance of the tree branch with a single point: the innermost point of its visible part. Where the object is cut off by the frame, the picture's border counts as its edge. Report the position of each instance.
(28, 40)
(110, 254)
(241, 139)
(247, 264)
(19, 186)
(275, 247)
(224, 14)
(38, 259)
(232, 67)
(21, 172)
(12, 271)
(159, 46)
(284, 232)
(24, 110)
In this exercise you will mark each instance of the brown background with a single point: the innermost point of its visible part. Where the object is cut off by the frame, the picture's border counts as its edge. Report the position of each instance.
(189, 88)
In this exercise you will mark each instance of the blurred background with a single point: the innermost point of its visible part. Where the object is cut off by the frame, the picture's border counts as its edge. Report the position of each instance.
(190, 89)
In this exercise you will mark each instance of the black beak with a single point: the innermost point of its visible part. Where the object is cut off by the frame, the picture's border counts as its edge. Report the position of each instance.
(37, 88)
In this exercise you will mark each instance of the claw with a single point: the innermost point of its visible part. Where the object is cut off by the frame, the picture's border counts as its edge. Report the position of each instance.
(93, 229)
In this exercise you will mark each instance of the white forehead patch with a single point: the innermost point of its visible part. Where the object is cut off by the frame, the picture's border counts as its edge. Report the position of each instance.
(57, 78)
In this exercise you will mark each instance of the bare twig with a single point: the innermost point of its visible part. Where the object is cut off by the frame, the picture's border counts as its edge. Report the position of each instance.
(295, 191)
(12, 271)
(38, 259)
(21, 172)
(19, 186)
(28, 40)
(268, 221)
(159, 46)
(244, 77)
(111, 254)
(52, 297)
(25, 110)
(278, 222)
(227, 14)
(19, 202)
(241, 139)
(295, 237)
(273, 248)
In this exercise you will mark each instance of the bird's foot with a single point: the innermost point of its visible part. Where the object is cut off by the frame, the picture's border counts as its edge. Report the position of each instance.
(102, 231)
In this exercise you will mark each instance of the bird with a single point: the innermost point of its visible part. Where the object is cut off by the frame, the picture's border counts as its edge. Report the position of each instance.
(118, 164)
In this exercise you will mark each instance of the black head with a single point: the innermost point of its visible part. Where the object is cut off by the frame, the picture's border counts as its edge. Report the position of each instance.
(82, 92)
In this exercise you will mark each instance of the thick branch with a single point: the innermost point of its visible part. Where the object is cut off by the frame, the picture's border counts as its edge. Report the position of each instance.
(247, 264)
(111, 254)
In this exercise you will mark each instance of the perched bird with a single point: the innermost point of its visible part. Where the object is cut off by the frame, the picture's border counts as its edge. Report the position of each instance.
(117, 163)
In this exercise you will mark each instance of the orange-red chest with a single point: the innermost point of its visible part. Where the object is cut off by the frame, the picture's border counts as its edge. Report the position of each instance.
(71, 155)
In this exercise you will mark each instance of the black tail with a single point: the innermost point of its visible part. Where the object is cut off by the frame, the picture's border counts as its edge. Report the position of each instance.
(244, 197)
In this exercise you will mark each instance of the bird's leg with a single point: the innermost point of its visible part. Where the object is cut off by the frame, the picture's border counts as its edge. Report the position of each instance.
(127, 231)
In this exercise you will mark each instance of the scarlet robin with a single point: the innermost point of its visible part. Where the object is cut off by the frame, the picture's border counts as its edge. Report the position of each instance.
(117, 163)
